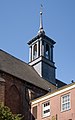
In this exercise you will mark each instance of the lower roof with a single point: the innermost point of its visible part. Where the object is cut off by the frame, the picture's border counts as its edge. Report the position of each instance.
(49, 95)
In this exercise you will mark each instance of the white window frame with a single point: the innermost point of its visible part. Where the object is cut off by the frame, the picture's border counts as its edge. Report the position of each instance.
(65, 102)
(46, 109)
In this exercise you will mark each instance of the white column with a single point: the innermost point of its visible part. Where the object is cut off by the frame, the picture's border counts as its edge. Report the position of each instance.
(40, 47)
(45, 49)
(37, 49)
(32, 52)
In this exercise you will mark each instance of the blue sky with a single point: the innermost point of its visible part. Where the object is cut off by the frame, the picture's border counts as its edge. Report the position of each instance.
(19, 23)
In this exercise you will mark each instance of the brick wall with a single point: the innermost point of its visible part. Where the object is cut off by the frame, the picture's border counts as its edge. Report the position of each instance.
(2, 90)
(17, 94)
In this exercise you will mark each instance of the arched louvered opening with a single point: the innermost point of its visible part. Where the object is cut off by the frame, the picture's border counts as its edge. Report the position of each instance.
(47, 51)
(13, 99)
(35, 52)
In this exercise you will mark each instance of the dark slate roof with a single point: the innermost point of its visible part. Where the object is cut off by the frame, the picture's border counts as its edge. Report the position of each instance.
(60, 83)
(43, 36)
(22, 70)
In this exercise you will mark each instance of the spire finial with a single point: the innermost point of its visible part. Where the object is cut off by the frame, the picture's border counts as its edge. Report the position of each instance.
(41, 21)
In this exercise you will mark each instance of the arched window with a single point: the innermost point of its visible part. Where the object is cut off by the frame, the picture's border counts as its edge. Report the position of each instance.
(35, 51)
(47, 51)
(13, 99)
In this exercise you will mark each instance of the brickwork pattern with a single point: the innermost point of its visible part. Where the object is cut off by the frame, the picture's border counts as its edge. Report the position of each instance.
(17, 95)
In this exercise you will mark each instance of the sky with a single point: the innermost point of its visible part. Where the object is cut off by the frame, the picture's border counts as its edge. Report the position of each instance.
(19, 23)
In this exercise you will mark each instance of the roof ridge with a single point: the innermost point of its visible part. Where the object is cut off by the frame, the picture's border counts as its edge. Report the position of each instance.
(13, 56)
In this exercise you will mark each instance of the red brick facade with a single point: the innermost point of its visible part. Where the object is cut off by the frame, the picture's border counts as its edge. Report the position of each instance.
(15, 94)
(2, 90)
(59, 105)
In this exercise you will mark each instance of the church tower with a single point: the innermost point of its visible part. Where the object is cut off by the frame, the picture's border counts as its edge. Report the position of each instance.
(41, 54)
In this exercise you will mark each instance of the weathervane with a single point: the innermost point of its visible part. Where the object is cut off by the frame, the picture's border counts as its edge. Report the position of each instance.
(41, 21)
(41, 8)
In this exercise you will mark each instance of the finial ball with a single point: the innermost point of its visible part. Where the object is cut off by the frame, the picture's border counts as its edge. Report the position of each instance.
(40, 13)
